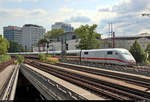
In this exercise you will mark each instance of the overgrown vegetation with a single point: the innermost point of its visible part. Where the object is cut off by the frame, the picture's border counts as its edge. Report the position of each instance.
(138, 53)
(147, 50)
(48, 58)
(15, 47)
(20, 59)
(4, 58)
(42, 57)
(4, 45)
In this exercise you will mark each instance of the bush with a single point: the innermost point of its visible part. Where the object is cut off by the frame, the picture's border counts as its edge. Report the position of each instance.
(20, 59)
(15, 62)
(42, 57)
(48, 58)
(4, 58)
(148, 62)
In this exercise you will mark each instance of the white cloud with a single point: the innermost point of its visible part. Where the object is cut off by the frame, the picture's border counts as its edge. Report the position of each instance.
(126, 16)
(19, 17)
(19, 0)
(128, 19)
(106, 8)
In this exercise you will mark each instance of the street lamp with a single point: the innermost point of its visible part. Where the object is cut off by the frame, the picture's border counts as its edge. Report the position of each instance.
(47, 41)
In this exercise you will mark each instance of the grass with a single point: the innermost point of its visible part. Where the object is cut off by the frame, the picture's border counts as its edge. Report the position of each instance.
(48, 59)
(52, 60)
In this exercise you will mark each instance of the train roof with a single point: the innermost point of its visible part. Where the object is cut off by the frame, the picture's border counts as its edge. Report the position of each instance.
(75, 51)
(54, 51)
(109, 49)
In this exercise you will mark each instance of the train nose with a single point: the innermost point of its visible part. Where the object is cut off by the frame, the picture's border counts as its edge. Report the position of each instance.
(132, 62)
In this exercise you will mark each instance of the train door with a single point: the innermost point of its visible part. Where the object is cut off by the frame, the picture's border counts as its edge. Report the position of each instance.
(117, 56)
(109, 56)
(85, 55)
(80, 55)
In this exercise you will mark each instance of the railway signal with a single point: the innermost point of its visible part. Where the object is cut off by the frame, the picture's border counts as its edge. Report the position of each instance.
(66, 46)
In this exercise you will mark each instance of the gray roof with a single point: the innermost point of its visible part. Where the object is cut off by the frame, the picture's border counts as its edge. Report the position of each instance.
(132, 37)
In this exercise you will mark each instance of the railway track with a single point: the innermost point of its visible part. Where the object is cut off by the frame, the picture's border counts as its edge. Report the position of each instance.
(142, 70)
(99, 87)
(128, 78)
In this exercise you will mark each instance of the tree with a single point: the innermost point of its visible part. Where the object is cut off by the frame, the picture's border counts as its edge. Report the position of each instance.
(4, 45)
(15, 47)
(89, 38)
(54, 33)
(147, 50)
(138, 53)
(41, 42)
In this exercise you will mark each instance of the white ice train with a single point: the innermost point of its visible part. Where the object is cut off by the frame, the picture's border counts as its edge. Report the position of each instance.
(117, 56)
(112, 56)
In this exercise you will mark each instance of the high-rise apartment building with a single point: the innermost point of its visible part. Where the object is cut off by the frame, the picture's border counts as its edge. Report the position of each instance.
(31, 34)
(13, 33)
(66, 27)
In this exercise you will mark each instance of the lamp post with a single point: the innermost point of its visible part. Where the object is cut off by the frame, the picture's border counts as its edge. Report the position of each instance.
(63, 46)
(51, 41)
(47, 45)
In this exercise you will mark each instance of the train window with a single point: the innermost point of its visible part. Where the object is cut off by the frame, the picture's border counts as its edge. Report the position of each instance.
(85, 53)
(71, 54)
(57, 54)
(109, 52)
(116, 53)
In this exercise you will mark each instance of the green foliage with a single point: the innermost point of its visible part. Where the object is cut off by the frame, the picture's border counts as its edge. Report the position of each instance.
(147, 50)
(20, 59)
(138, 53)
(15, 47)
(42, 41)
(42, 57)
(48, 58)
(88, 37)
(54, 33)
(4, 45)
(4, 58)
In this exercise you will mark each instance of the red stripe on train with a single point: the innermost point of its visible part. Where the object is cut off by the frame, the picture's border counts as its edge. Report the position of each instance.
(98, 59)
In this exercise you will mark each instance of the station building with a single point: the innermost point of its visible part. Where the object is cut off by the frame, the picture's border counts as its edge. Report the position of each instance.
(127, 41)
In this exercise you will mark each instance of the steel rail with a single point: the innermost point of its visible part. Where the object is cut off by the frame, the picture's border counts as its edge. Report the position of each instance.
(79, 82)
(128, 78)
(138, 97)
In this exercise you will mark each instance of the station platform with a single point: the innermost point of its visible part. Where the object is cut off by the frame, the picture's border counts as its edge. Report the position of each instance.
(5, 75)
(8, 82)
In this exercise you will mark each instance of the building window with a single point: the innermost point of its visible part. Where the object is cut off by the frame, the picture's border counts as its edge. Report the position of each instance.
(73, 36)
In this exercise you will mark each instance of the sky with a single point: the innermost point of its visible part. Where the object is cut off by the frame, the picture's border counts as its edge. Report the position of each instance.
(125, 15)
